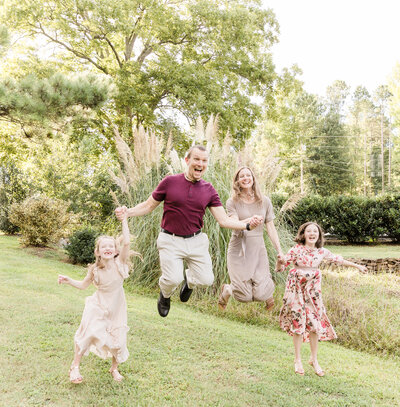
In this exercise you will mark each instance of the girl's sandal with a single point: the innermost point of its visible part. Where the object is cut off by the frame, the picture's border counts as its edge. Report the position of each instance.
(298, 368)
(116, 375)
(74, 375)
(319, 372)
(269, 304)
(222, 302)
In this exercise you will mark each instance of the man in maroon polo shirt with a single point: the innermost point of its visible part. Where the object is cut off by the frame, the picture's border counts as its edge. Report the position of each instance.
(186, 197)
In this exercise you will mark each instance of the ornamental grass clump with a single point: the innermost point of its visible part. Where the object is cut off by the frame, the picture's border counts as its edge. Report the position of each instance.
(144, 166)
(42, 220)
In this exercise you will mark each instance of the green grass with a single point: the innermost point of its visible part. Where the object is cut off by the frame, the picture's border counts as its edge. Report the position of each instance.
(377, 251)
(187, 359)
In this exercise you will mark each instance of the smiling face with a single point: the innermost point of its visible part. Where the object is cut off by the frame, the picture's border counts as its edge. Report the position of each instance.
(106, 248)
(196, 164)
(311, 235)
(245, 179)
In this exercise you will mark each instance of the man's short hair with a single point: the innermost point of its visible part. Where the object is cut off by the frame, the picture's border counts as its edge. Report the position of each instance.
(198, 146)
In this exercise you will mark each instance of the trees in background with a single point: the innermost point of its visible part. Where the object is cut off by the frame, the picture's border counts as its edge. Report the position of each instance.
(394, 109)
(332, 145)
(93, 68)
(165, 59)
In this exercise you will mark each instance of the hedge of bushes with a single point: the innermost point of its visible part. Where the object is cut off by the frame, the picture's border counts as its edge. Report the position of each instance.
(354, 219)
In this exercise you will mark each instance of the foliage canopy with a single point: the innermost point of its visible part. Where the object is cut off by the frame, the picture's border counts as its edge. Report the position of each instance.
(166, 58)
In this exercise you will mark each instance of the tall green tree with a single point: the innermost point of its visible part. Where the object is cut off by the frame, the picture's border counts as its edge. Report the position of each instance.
(363, 128)
(381, 97)
(165, 58)
(394, 89)
(328, 158)
(394, 109)
(336, 96)
(289, 128)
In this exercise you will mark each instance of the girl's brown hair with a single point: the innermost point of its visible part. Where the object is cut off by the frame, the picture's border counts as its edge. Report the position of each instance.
(237, 191)
(302, 240)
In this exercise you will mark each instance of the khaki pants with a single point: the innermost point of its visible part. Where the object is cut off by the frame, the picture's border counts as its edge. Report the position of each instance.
(173, 251)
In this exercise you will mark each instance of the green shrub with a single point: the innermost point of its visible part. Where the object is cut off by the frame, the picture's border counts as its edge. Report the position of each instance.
(42, 220)
(13, 188)
(81, 246)
(389, 215)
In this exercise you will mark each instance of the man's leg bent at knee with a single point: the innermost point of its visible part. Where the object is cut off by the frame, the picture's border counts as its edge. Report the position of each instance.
(200, 272)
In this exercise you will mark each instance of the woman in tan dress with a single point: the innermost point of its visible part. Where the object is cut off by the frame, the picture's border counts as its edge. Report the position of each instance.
(247, 258)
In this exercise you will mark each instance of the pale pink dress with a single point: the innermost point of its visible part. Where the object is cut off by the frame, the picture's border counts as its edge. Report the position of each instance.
(303, 311)
(103, 329)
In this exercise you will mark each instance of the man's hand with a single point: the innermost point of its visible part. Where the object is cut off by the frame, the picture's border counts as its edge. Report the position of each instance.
(255, 221)
(121, 213)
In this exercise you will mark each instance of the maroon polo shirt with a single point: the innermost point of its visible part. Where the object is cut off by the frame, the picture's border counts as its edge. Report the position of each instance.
(185, 203)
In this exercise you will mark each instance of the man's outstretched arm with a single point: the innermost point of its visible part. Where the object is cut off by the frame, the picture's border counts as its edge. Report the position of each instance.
(141, 209)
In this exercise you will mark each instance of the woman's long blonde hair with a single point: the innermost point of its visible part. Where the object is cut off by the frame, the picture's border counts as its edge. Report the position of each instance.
(237, 191)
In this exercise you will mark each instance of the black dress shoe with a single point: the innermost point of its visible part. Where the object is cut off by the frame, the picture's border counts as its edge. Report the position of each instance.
(185, 293)
(163, 305)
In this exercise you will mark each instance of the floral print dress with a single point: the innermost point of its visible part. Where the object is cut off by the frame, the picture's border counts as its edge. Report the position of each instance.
(303, 311)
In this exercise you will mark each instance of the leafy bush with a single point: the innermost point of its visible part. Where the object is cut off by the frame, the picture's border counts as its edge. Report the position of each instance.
(13, 188)
(42, 220)
(389, 215)
(81, 246)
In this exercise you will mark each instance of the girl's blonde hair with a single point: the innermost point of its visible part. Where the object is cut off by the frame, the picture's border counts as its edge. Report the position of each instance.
(237, 191)
(117, 242)
(300, 238)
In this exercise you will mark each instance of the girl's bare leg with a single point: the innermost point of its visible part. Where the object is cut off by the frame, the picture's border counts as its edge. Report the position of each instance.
(114, 371)
(297, 342)
(314, 350)
(74, 374)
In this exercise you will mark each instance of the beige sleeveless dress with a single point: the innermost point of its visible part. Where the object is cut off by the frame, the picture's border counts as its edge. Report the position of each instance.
(103, 329)
(247, 258)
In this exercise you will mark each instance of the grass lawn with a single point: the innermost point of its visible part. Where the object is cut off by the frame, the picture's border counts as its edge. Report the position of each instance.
(377, 251)
(187, 359)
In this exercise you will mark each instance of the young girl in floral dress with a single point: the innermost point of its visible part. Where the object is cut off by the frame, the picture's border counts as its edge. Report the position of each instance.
(103, 329)
(303, 313)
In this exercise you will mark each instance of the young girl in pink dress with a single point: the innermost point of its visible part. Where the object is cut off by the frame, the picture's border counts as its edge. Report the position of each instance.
(303, 313)
(104, 327)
